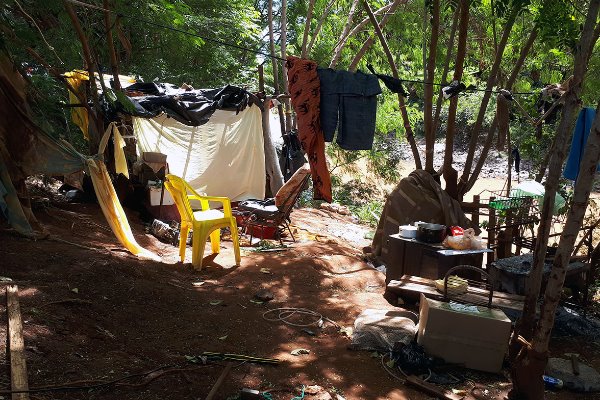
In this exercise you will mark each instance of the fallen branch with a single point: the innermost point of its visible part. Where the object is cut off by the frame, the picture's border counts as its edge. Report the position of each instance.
(81, 246)
(65, 301)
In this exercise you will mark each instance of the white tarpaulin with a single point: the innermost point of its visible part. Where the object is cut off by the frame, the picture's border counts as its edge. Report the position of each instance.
(224, 157)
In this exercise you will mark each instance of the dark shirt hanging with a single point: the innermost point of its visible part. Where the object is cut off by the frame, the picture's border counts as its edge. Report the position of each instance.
(349, 103)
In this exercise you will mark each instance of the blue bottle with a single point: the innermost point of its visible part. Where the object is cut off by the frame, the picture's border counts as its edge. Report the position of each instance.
(552, 383)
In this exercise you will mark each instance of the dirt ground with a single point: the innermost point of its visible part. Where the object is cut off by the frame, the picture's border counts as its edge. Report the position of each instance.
(99, 314)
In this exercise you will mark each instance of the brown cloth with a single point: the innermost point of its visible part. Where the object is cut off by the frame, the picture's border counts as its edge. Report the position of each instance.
(418, 197)
(305, 91)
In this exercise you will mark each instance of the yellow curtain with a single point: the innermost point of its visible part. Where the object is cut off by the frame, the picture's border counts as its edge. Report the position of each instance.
(107, 197)
(79, 115)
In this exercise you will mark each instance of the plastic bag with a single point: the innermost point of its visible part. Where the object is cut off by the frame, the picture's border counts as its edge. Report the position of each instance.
(466, 241)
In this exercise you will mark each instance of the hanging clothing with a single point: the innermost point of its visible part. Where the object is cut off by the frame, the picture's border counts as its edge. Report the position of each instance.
(349, 103)
(292, 156)
(516, 159)
(119, 144)
(580, 135)
(305, 90)
(224, 157)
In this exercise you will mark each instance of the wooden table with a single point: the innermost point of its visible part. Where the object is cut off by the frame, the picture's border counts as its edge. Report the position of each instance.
(409, 288)
(412, 257)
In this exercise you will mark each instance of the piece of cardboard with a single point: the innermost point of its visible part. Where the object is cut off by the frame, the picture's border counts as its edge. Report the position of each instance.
(474, 336)
(154, 196)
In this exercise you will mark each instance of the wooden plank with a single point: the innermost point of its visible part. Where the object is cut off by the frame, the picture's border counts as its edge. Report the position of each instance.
(400, 287)
(429, 282)
(16, 345)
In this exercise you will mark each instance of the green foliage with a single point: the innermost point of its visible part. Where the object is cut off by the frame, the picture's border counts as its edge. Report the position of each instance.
(147, 49)
(558, 24)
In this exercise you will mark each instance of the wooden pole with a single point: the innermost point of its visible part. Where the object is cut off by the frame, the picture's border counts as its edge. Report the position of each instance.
(492, 232)
(219, 382)
(271, 160)
(16, 345)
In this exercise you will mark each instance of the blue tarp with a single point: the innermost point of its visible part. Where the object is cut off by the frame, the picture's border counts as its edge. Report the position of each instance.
(580, 135)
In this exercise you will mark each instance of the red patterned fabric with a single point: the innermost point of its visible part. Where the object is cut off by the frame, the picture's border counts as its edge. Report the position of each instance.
(305, 90)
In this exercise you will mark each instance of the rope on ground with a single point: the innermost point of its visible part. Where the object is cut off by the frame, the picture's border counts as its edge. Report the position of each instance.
(284, 314)
(59, 240)
(385, 367)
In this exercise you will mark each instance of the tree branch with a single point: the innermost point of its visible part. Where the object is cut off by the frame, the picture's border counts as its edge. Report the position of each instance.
(309, 14)
(313, 38)
(462, 185)
(337, 52)
(409, 132)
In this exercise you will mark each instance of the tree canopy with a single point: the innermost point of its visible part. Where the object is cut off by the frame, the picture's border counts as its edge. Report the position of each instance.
(212, 43)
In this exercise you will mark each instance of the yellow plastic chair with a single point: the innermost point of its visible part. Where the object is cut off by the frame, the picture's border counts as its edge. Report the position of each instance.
(204, 223)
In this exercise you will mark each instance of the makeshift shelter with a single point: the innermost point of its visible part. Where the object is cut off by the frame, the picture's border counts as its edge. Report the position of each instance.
(230, 144)
(212, 138)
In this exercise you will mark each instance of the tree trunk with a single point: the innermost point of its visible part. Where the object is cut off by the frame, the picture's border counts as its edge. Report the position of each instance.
(581, 195)
(337, 52)
(275, 66)
(525, 325)
(409, 132)
(509, 84)
(98, 126)
(450, 174)
(462, 184)
(313, 38)
(429, 78)
(283, 35)
(450, 46)
(111, 48)
(311, 6)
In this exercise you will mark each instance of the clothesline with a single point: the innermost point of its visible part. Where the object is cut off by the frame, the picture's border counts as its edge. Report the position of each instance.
(468, 89)
(223, 43)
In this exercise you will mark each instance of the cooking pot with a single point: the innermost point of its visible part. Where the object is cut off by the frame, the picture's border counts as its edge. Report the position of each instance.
(408, 231)
(431, 233)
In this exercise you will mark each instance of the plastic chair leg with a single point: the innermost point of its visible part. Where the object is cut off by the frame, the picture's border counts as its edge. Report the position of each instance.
(198, 244)
(183, 235)
(215, 240)
(236, 242)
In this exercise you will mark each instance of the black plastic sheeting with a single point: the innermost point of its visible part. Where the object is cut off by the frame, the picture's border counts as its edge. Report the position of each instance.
(567, 322)
(191, 107)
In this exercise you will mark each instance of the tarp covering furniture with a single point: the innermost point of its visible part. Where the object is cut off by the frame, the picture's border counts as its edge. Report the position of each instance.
(57, 157)
(418, 197)
(224, 157)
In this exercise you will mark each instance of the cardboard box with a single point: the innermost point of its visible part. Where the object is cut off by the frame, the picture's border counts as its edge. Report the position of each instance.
(474, 336)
